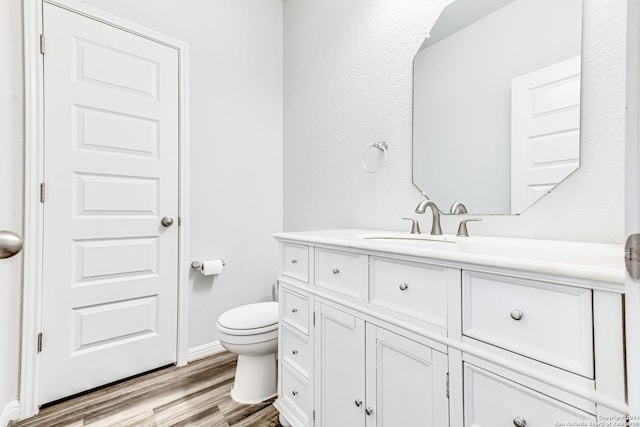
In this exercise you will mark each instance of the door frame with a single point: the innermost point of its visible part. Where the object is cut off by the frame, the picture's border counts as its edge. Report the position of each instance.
(632, 200)
(34, 175)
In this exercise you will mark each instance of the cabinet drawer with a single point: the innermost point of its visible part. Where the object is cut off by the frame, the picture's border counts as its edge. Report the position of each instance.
(414, 289)
(344, 272)
(295, 310)
(491, 400)
(296, 352)
(294, 261)
(548, 322)
(296, 393)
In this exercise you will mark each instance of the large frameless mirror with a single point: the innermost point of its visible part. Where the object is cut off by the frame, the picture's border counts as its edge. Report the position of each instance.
(496, 109)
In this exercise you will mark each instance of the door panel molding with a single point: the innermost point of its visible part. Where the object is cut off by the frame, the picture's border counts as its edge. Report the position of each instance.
(34, 173)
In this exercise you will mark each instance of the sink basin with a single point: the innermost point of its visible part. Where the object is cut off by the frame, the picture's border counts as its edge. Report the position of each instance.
(414, 237)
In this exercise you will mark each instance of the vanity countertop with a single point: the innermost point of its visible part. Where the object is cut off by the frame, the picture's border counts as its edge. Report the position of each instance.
(601, 262)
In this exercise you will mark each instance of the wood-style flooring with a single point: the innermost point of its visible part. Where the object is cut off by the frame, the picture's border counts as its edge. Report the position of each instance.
(192, 395)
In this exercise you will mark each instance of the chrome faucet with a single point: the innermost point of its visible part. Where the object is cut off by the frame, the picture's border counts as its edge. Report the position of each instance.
(436, 230)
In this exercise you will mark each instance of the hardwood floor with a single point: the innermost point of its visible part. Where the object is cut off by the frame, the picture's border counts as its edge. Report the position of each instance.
(192, 395)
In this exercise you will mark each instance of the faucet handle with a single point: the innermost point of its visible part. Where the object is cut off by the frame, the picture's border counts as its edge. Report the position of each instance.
(462, 228)
(415, 227)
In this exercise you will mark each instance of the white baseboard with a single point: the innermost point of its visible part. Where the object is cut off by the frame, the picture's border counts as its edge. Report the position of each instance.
(204, 351)
(11, 412)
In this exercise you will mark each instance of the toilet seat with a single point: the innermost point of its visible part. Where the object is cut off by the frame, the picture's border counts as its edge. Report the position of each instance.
(250, 319)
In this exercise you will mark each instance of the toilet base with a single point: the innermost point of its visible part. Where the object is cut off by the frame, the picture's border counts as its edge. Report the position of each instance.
(256, 378)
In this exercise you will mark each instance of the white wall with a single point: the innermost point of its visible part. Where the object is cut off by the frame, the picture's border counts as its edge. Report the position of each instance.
(348, 83)
(236, 143)
(11, 200)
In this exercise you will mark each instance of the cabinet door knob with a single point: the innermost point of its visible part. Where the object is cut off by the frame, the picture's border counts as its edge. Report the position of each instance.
(294, 310)
(519, 422)
(294, 351)
(369, 410)
(358, 402)
(404, 286)
(295, 393)
(294, 261)
(336, 271)
(517, 315)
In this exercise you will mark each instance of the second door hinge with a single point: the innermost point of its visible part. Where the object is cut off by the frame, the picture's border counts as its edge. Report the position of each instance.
(314, 318)
(447, 385)
(39, 342)
(42, 44)
(313, 416)
(42, 192)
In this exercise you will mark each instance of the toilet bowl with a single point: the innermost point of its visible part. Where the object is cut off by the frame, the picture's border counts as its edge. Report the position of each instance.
(251, 331)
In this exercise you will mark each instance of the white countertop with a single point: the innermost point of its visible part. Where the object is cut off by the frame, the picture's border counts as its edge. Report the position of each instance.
(591, 261)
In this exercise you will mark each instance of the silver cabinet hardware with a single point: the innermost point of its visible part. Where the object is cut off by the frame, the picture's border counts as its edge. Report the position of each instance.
(415, 227)
(403, 286)
(10, 244)
(462, 228)
(167, 221)
(369, 410)
(517, 315)
(295, 393)
(358, 402)
(336, 271)
(294, 261)
(294, 310)
(519, 422)
(294, 351)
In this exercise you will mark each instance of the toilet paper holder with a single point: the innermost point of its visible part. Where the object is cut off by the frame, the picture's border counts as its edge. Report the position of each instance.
(197, 265)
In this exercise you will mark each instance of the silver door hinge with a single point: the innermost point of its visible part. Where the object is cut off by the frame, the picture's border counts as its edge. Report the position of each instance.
(42, 192)
(632, 256)
(313, 416)
(179, 221)
(42, 44)
(314, 318)
(39, 342)
(447, 385)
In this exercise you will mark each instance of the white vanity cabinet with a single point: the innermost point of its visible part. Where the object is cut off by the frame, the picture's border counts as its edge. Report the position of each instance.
(369, 376)
(380, 334)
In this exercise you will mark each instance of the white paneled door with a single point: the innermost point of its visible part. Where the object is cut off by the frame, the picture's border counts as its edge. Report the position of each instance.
(545, 130)
(111, 175)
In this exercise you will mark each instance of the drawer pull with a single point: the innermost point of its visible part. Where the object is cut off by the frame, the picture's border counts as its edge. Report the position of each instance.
(295, 393)
(294, 352)
(519, 422)
(294, 310)
(336, 271)
(294, 261)
(369, 410)
(358, 402)
(403, 286)
(517, 315)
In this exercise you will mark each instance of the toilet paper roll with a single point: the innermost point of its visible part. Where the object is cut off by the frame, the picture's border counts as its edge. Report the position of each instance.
(213, 266)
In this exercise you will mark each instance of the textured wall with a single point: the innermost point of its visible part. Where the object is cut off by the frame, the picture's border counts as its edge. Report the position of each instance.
(348, 83)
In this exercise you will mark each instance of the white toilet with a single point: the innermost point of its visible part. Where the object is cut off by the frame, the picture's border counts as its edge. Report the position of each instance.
(251, 331)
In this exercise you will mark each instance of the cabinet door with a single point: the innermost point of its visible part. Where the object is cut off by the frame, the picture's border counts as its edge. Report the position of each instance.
(406, 382)
(340, 344)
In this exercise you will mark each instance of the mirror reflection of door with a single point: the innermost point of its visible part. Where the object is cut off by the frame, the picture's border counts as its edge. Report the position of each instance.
(462, 95)
(545, 130)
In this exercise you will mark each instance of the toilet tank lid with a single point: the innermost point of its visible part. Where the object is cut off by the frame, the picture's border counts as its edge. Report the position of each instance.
(250, 316)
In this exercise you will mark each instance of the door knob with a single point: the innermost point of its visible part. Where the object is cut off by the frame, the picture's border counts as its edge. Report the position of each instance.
(167, 221)
(10, 244)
